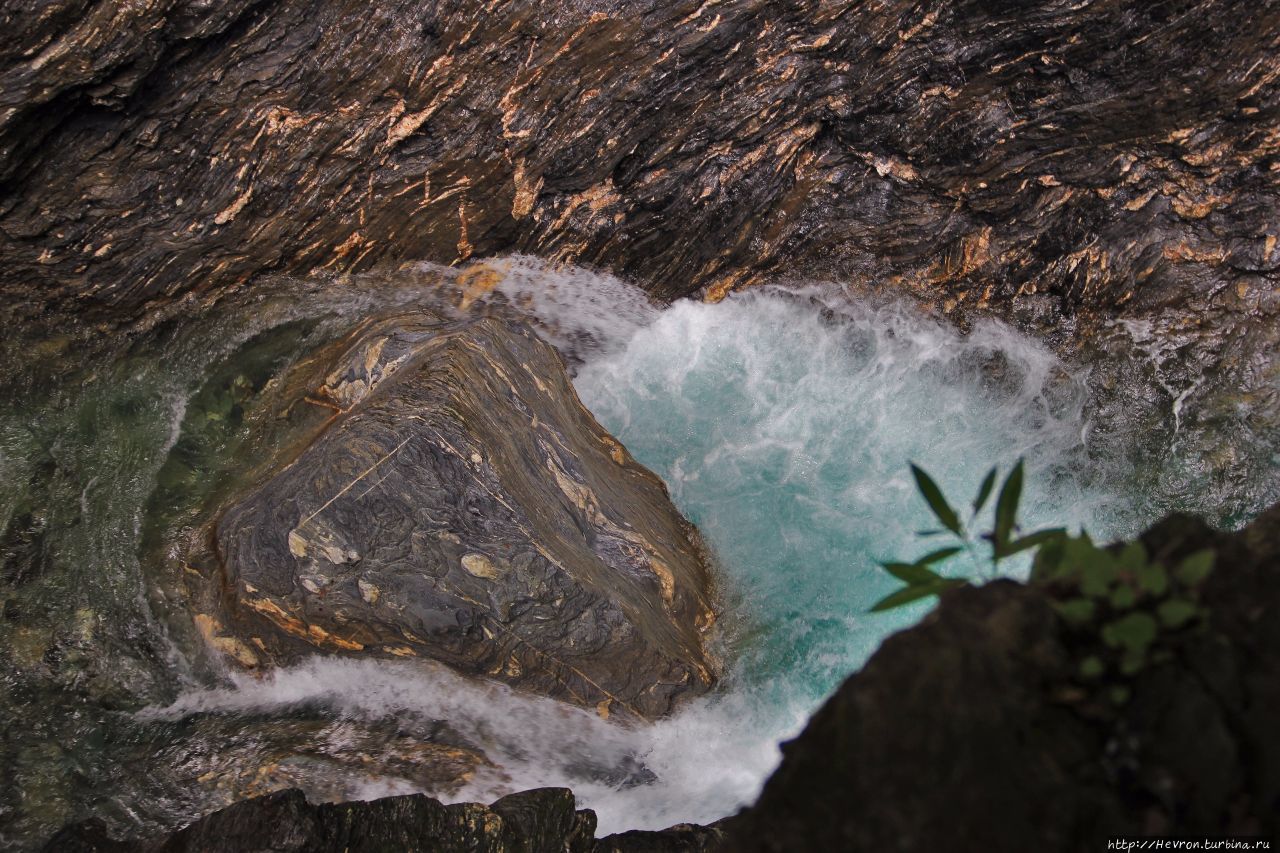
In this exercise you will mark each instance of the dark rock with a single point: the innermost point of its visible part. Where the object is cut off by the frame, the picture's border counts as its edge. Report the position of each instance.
(681, 838)
(538, 821)
(462, 505)
(529, 822)
(89, 836)
(965, 732)
(1055, 160)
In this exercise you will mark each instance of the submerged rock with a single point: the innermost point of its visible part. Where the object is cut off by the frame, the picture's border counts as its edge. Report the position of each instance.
(462, 505)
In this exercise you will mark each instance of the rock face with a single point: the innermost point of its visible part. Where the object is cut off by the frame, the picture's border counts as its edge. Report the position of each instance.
(1057, 159)
(530, 821)
(966, 733)
(463, 506)
(535, 821)
(1104, 173)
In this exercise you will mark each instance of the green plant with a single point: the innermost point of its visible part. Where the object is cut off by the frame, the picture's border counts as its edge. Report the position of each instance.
(921, 577)
(1123, 607)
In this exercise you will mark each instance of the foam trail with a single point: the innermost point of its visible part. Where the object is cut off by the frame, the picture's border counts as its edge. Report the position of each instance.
(533, 741)
(784, 432)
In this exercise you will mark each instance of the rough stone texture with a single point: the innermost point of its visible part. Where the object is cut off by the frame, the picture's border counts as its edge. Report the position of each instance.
(527, 822)
(1105, 173)
(965, 733)
(538, 821)
(462, 505)
(681, 837)
(1055, 159)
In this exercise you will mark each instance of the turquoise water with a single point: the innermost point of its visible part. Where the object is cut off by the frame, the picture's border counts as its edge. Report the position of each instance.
(786, 436)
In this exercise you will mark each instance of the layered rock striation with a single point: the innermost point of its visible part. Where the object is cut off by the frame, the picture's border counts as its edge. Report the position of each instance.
(1064, 162)
(461, 505)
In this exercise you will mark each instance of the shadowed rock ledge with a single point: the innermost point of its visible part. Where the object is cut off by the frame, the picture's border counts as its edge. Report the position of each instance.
(537, 821)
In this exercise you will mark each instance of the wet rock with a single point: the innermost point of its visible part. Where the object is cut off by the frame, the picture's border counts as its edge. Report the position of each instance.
(680, 838)
(1059, 161)
(222, 759)
(1103, 174)
(89, 836)
(534, 821)
(528, 822)
(966, 732)
(461, 505)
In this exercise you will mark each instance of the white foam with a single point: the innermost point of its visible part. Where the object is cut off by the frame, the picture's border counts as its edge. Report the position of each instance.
(534, 741)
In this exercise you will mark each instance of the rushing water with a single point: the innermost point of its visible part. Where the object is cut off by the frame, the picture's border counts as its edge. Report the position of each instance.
(782, 420)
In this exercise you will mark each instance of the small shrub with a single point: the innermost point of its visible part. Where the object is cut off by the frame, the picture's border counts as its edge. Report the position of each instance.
(1124, 608)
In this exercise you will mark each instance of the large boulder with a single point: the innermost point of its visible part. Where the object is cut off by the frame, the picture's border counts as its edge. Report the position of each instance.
(463, 506)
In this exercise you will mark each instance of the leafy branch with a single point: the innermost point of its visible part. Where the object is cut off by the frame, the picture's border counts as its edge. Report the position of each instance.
(1125, 608)
(921, 578)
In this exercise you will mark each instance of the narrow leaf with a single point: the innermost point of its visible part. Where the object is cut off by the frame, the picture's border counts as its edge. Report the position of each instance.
(1098, 575)
(1122, 598)
(1091, 667)
(1195, 568)
(933, 496)
(1153, 579)
(1007, 508)
(913, 593)
(1176, 612)
(1077, 611)
(1132, 558)
(1132, 662)
(1135, 632)
(911, 573)
(1034, 540)
(984, 491)
(937, 556)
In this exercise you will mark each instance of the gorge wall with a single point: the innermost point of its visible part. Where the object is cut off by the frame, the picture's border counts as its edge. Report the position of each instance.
(1064, 162)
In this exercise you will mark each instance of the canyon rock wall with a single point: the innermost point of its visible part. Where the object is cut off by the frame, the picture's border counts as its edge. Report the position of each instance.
(1062, 162)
